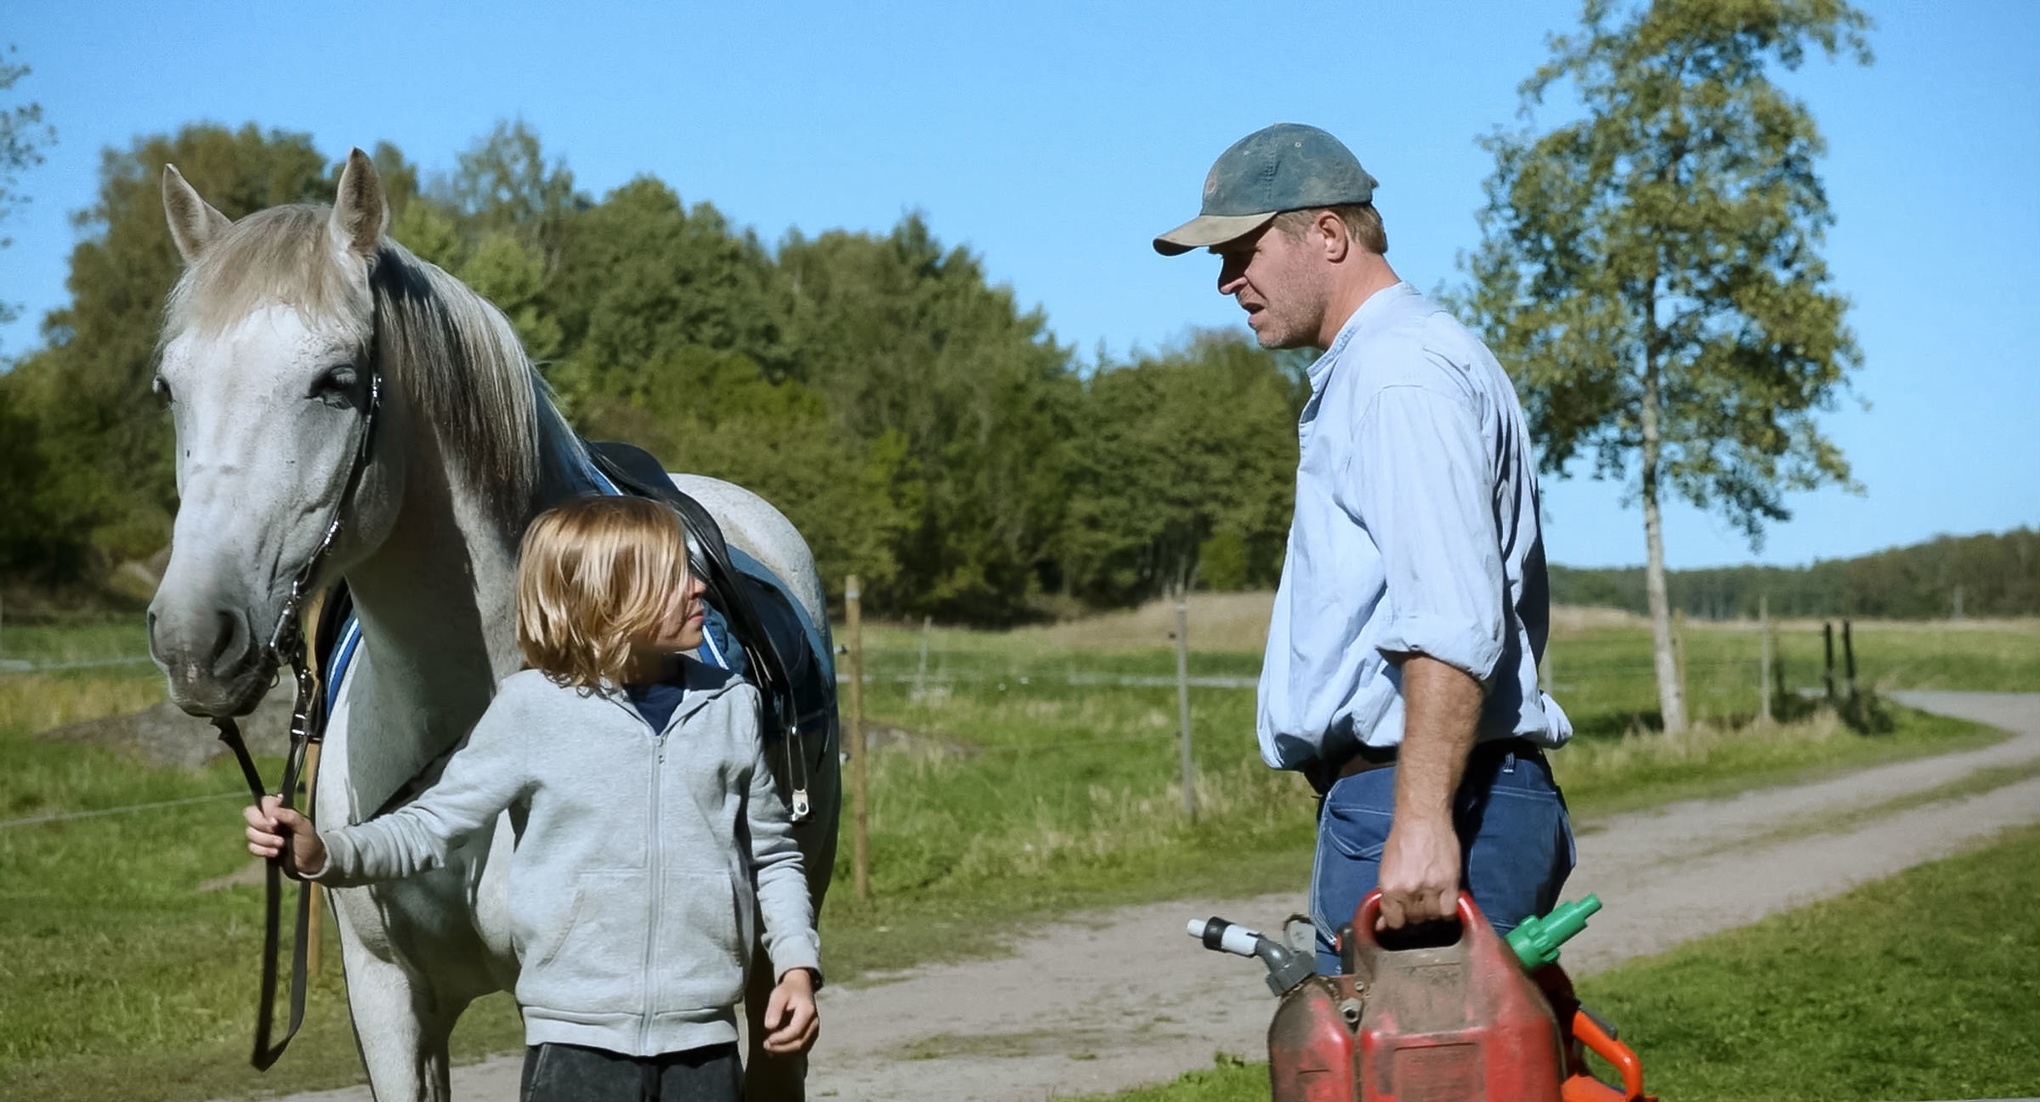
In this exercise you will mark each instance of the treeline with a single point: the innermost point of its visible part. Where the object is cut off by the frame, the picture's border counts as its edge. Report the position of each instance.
(918, 425)
(1989, 575)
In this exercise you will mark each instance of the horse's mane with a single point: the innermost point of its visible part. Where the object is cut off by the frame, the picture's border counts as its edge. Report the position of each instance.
(454, 355)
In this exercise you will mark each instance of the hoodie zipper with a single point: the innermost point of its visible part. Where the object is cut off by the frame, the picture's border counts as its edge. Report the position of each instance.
(656, 851)
(658, 887)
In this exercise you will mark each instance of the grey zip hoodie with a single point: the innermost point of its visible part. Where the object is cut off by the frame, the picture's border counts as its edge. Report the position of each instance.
(641, 868)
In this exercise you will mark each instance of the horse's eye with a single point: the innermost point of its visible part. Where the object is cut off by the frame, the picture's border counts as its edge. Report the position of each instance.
(336, 386)
(160, 387)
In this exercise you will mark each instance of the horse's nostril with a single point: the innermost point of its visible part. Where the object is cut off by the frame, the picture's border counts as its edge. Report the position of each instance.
(230, 633)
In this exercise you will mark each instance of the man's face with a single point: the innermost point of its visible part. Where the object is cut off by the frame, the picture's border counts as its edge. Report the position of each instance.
(1281, 282)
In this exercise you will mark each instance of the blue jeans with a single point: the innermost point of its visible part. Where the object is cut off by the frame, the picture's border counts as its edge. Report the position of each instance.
(1515, 838)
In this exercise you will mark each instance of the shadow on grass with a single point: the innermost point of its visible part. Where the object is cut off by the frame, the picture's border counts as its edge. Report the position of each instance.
(1866, 713)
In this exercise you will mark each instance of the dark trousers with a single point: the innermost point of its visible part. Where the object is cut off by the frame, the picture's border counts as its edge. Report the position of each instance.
(571, 1073)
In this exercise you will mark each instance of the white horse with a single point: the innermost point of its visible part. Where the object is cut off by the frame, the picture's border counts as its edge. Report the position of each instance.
(269, 342)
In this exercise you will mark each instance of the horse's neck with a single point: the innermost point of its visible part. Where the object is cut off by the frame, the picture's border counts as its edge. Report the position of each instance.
(437, 602)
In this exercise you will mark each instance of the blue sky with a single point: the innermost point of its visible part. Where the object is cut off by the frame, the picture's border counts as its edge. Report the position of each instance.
(1056, 139)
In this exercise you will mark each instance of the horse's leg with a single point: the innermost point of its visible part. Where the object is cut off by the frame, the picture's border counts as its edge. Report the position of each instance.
(769, 1078)
(407, 986)
(401, 1024)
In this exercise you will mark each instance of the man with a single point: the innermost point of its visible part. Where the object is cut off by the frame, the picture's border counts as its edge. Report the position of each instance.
(1401, 673)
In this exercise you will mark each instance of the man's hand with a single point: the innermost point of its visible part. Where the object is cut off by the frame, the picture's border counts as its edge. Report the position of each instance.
(791, 1021)
(271, 825)
(1419, 872)
(1420, 863)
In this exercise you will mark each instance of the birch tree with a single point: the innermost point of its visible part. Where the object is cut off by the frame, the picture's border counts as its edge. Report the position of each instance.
(1651, 270)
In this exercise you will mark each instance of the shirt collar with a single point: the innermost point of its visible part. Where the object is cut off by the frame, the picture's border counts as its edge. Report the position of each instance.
(1376, 304)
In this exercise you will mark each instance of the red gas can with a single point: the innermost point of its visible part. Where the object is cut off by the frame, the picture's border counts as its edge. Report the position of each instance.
(1454, 1023)
(1310, 1042)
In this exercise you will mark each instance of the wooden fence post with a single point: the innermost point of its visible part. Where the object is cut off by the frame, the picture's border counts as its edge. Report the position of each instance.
(1827, 642)
(1183, 701)
(860, 863)
(1764, 713)
(921, 671)
(1849, 660)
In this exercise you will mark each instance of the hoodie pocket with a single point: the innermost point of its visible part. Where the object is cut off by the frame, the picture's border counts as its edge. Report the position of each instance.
(701, 942)
(595, 961)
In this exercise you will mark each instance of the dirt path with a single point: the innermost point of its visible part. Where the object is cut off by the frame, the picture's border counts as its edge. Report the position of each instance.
(1120, 998)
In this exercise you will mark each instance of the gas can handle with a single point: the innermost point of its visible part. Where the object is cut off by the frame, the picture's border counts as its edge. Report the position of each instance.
(1603, 1043)
(1470, 918)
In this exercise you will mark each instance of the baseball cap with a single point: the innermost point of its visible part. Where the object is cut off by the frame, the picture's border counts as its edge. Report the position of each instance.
(1287, 166)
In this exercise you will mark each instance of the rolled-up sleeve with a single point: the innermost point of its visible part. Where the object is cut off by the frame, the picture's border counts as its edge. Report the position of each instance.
(1422, 479)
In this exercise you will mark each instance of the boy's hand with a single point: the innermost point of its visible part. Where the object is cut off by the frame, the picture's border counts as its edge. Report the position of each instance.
(790, 1017)
(270, 824)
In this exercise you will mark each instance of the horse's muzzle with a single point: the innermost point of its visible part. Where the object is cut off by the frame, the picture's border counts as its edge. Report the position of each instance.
(214, 663)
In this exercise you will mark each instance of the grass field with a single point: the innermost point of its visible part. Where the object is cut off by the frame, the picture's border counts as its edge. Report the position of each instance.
(1873, 995)
(1603, 676)
(1023, 780)
(121, 975)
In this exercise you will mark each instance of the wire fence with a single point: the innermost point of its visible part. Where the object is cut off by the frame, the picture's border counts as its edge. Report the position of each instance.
(16, 665)
(66, 816)
(924, 668)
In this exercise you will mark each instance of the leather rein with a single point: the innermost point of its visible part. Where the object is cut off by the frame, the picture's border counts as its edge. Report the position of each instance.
(307, 728)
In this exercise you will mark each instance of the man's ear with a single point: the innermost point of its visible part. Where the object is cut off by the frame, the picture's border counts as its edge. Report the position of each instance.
(1335, 238)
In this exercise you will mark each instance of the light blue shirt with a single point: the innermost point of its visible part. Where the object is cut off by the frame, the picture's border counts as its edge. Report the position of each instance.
(1415, 532)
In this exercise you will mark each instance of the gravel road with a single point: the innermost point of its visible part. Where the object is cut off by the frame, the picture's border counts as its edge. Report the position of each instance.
(1118, 998)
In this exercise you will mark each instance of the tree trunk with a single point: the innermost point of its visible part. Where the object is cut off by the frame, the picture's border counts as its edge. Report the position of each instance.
(1671, 701)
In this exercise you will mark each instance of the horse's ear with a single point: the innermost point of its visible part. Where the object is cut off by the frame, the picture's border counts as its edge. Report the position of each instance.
(193, 222)
(359, 213)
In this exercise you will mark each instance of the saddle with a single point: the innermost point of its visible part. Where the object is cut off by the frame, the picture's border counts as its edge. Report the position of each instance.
(753, 626)
(748, 605)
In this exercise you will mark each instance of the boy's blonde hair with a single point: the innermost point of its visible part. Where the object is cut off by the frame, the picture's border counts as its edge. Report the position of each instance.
(595, 574)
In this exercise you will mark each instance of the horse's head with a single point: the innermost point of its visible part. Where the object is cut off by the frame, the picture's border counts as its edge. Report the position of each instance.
(268, 358)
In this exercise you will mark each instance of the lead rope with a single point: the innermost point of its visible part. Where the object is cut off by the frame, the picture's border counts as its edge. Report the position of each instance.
(302, 734)
(307, 726)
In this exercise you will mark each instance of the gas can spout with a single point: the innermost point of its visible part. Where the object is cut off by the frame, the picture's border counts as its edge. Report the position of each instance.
(1286, 967)
(1536, 940)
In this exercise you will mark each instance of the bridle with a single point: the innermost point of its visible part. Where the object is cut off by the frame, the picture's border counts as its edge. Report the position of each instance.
(286, 645)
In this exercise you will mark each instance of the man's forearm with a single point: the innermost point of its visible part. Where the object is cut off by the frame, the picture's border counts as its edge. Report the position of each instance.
(1441, 711)
(1420, 865)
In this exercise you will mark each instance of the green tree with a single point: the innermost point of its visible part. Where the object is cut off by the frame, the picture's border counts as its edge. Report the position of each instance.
(641, 276)
(23, 137)
(511, 274)
(105, 442)
(24, 527)
(505, 184)
(901, 336)
(399, 177)
(1652, 273)
(432, 234)
(26, 536)
(1183, 468)
(715, 413)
